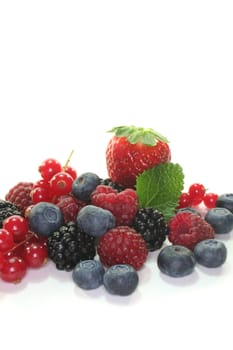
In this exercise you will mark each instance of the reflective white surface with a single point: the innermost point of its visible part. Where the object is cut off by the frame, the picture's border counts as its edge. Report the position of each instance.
(70, 71)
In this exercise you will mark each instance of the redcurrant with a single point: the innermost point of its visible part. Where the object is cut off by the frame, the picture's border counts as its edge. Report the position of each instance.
(42, 184)
(49, 168)
(35, 254)
(196, 192)
(6, 240)
(184, 200)
(18, 226)
(210, 200)
(13, 270)
(39, 194)
(61, 183)
(1, 260)
(70, 170)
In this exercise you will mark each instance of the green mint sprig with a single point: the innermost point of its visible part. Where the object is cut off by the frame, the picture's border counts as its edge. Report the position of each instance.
(160, 188)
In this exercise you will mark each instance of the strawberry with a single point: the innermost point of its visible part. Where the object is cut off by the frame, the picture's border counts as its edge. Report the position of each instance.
(132, 150)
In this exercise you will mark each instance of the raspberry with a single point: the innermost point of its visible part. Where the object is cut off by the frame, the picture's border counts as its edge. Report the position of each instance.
(20, 195)
(69, 206)
(123, 205)
(122, 245)
(188, 229)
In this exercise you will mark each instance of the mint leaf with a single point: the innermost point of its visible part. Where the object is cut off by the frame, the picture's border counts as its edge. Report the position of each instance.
(160, 188)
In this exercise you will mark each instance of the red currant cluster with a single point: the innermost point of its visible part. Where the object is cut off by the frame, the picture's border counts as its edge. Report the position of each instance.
(56, 181)
(196, 195)
(19, 247)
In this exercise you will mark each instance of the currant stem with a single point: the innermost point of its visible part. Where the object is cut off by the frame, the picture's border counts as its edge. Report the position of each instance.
(68, 160)
(22, 242)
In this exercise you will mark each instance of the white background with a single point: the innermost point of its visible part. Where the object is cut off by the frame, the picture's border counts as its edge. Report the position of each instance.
(70, 71)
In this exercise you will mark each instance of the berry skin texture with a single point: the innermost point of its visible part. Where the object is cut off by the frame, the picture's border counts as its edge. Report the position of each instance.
(19, 195)
(176, 261)
(121, 279)
(128, 156)
(69, 206)
(210, 253)
(84, 185)
(6, 240)
(45, 218)
(13, 270)
(151, 225)
(196, 192)
(48, 168)
(61, 184)
(18, 226)
(122, 245)
(88, 274)
(95, 221)
(221, 219)
(225, 201)
(69, 245)
(35, 254)
(123, 205)
(210, 200)
(188, 229)
(184, 200)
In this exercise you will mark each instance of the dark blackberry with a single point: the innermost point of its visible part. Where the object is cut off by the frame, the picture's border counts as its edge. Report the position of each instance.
(151, 225)
(69, 245)
(114, 185)
(8, 209)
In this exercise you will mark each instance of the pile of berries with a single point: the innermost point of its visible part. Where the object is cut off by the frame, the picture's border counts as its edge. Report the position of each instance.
(98, 229)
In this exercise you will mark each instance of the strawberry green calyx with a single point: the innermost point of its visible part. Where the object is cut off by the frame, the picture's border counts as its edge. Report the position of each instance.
(134, 135)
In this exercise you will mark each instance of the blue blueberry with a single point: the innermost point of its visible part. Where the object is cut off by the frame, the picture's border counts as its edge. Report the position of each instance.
(221, 219)
(176, 261)
(88, 274)
(95, 221)
(45, 218)
(210, 253)
(121, 279)
(225, 201)
(84, 185)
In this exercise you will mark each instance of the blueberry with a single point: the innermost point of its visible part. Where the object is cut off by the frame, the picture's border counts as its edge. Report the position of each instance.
(221, 219)
(225, 201)
(95, 221)
(176, 261)
(88, 274)
(121, 279)
(210, 253)
(45, 218)
(84, 185)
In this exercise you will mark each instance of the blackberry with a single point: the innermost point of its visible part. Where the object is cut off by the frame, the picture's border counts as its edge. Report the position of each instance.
(114, 185)
(151, 225)
(69, 245)
(8, 209)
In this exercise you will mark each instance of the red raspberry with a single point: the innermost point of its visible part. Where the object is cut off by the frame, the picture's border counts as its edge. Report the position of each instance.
(123, 205)
(69, 206)
(19, 195)
(122, 245)
(188, 229)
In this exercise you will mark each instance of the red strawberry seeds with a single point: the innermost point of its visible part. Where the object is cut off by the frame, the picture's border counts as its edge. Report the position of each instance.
(133, 150)
(122, 245)
(188, 229)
